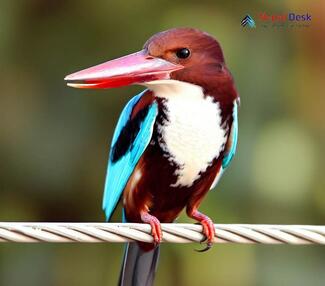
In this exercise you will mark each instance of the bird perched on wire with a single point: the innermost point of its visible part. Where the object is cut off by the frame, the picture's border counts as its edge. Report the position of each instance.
(172, 142)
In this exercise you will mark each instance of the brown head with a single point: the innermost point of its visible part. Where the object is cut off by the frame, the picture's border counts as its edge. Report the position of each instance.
(198, 52)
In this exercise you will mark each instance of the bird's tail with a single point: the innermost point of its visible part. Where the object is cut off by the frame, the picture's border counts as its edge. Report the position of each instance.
(139, 266)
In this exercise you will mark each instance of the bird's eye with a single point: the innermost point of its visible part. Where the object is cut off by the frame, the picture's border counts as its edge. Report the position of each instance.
(183, 53)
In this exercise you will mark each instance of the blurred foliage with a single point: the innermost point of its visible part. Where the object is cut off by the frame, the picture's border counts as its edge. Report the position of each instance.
(54, 140)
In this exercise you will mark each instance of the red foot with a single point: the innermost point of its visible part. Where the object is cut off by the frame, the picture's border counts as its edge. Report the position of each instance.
(208, 227)
(155, 227)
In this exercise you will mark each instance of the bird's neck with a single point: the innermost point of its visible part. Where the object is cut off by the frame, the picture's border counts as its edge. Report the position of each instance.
(172, 89)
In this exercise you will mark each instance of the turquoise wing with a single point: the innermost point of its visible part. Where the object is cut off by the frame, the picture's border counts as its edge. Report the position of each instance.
(234, 137)
(119, 170)
(231, 148)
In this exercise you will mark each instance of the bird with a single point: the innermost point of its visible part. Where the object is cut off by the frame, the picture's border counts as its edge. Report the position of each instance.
(172, 142)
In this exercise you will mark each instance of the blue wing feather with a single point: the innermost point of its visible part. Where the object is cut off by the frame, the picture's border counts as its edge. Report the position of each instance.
(119, 172)
(232, 150)
(234, 133)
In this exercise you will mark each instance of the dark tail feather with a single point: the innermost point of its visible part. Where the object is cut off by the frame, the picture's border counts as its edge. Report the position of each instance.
(139, 266)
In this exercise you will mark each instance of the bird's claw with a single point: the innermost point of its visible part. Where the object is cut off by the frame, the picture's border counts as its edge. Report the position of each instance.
(208, 246)
(156, 232)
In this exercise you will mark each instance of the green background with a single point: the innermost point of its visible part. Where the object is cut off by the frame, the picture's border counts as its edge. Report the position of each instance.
(54, 140)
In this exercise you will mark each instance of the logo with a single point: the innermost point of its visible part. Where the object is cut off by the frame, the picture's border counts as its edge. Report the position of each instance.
(282, 20)
(248, 21)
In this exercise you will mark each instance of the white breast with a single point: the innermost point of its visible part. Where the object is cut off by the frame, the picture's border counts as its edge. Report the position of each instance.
(192, 135)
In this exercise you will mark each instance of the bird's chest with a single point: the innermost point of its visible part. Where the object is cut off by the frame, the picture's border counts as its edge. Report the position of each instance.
(191, 136)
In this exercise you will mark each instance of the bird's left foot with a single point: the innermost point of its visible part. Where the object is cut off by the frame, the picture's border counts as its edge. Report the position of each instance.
(208, 228)
(155, 227)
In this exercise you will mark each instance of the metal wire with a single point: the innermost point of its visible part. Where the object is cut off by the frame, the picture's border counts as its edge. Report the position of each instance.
(174, 233)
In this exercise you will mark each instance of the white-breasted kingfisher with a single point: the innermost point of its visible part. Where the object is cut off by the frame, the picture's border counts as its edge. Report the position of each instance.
(172, 142)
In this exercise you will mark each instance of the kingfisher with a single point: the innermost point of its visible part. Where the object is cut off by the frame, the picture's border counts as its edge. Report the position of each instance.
(172, 141)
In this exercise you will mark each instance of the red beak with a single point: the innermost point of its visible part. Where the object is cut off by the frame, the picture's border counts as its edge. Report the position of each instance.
(136, 68)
